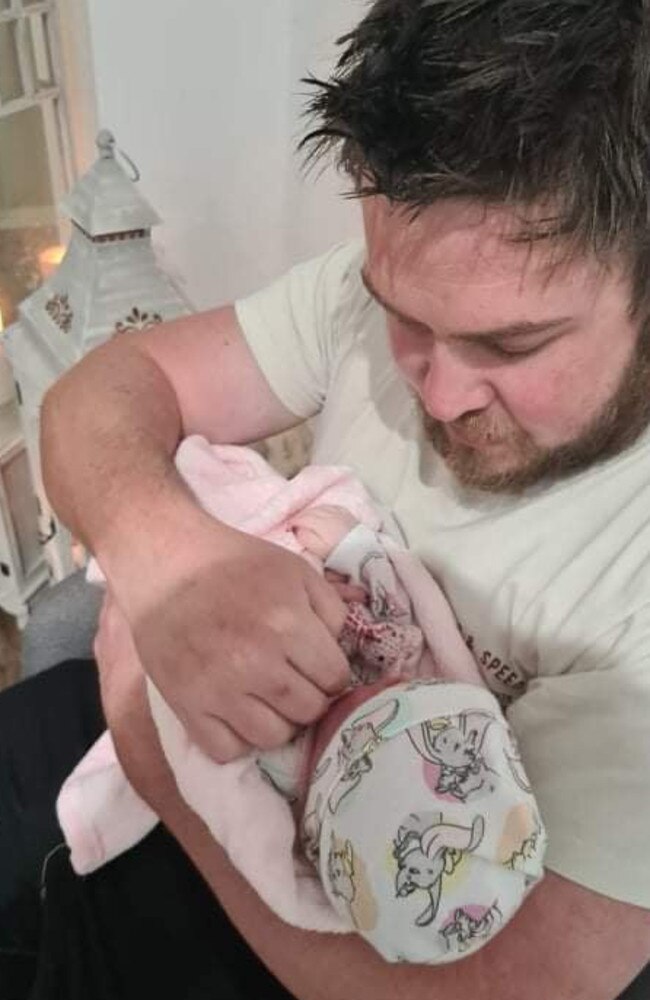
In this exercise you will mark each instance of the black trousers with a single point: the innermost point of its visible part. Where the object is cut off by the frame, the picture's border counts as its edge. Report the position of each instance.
(144, 926)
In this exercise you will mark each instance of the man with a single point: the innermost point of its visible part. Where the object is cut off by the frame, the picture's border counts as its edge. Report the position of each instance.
(483, 362)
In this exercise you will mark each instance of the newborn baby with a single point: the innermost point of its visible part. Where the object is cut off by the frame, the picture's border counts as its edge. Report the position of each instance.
(405, 814)
(421, 824)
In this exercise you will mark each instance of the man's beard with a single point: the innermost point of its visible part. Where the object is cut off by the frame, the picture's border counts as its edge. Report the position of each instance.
(614, 428)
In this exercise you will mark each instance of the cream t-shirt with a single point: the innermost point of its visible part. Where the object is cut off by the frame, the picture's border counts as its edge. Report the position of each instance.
(551, 590)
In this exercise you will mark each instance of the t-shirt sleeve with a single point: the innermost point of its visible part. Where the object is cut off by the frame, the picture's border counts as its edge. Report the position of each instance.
(584, 737)
(295, 326)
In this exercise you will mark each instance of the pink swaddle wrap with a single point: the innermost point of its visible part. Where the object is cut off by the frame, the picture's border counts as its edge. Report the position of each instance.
(102, 816)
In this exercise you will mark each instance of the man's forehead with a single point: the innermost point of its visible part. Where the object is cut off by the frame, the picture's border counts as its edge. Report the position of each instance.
(464, 244)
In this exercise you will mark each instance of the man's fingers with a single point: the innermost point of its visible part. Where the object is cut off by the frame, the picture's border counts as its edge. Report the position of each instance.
(294, 697)
(259, 724)
(314, 652)
(217, 739)
(316, 655)
(253, 724)
(326, 604)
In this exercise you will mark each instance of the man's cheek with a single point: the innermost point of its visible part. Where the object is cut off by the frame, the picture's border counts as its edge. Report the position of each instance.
(530, 412)
(410, 362)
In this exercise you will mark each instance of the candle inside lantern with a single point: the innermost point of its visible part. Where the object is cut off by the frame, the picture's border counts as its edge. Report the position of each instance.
(49, 259)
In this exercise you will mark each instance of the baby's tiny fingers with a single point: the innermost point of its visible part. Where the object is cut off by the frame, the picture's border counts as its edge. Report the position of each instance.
(351, 593)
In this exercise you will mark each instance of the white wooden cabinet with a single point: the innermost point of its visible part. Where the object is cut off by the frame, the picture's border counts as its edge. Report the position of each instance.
(23, 569)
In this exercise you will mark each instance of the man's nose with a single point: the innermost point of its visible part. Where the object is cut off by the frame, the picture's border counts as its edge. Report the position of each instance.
(451, 388)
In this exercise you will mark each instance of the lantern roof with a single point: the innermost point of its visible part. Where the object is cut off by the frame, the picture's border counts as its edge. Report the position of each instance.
(108, 281)
(105, 201)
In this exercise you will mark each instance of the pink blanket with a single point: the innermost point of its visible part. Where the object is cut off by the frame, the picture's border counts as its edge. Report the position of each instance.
(102, 816)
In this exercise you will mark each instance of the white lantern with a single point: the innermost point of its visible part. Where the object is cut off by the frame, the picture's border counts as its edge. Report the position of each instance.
(107, 282)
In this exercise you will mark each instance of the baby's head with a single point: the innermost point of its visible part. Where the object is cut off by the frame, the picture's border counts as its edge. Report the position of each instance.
(426, 868)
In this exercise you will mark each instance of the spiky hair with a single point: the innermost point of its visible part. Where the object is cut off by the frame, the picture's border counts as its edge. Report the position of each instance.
(524, 102)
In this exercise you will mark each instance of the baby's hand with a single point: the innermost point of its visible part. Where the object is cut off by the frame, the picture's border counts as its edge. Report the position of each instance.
(351, 593)
(320, 529)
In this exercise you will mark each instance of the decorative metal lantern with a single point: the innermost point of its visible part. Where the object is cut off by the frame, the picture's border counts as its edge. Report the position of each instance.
(107, 282)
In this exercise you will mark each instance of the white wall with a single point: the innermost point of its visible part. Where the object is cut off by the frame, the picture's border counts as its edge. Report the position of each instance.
(203, 97)
(320, 216)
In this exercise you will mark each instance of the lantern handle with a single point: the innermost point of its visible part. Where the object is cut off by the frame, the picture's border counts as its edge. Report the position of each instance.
(106, 146)
(135, 172)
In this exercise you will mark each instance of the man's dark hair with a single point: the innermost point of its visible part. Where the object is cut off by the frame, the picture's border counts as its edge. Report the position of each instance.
(523, 102)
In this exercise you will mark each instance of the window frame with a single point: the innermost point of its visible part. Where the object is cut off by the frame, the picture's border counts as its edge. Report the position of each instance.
(68, 107)
(79, 96)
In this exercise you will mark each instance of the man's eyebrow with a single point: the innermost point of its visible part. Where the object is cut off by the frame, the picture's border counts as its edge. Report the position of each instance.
(521, 329)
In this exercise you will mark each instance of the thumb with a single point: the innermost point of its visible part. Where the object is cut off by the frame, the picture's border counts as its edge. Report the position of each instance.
(326, 604)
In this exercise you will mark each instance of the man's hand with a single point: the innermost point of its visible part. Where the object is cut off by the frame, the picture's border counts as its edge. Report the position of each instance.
(238, 635)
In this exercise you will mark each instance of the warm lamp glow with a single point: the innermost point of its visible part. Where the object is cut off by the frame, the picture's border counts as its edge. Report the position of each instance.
(49, 259)
(2, 325)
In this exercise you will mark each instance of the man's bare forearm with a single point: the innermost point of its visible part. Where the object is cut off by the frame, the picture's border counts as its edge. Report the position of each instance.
(529, 959)
(109, 430)
(111, 425)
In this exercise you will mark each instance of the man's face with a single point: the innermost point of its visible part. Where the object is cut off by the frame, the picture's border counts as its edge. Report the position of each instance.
(523, 370)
